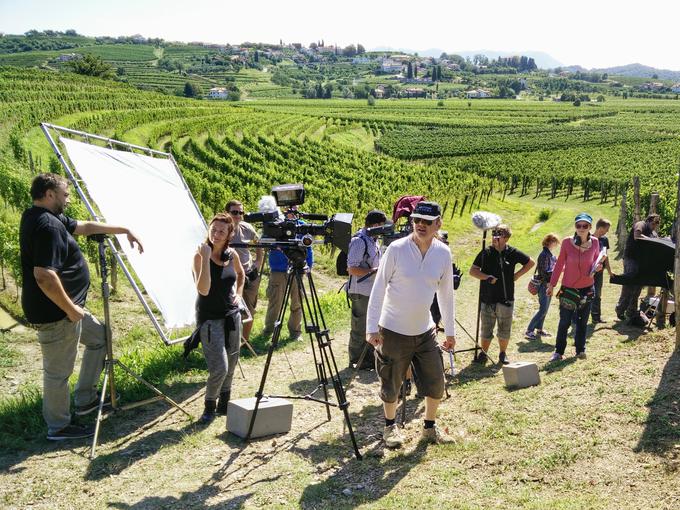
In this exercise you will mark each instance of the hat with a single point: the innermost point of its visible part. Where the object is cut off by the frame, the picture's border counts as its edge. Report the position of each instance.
(427, 211)
(375, 216)
(584, 217)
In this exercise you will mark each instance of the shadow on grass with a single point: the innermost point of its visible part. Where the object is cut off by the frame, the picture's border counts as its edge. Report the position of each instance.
(629, 332)
(195, 500)
(476, 371)
(23, 430)
(556, 366)
(662, 428)
(535, 345)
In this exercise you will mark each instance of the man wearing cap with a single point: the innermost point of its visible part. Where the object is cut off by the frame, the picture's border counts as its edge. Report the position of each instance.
(363, 257)
(399, 324)
(495, 267)
(627, 307)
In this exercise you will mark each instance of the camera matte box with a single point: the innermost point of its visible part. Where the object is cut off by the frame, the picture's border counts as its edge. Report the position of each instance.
(521, 374)
(274, 416)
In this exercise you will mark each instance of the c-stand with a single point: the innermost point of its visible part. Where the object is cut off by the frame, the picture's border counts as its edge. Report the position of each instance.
(110, 362)
(315, 325)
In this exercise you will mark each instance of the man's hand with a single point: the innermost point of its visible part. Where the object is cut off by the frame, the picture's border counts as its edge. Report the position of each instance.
(375, 339)
(133, 239)
(491, 279)
(549, 290)
(449, 343)
(75, 314)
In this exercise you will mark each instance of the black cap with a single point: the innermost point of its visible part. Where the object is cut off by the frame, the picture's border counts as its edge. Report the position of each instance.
(427, 211)
(375, 216)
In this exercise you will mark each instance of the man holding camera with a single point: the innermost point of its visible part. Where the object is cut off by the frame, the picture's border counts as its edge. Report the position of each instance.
(399, 324)
(627, 307)
(363, 258)
(55, 284)
(244, 232)
(495, 267)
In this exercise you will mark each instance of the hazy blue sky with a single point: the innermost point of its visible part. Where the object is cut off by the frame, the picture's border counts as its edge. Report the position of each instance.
(594, 33)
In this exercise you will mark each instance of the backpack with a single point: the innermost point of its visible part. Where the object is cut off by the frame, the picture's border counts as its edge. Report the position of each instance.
(341, 261)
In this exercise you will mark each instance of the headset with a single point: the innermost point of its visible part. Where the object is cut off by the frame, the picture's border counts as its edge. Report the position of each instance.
(577, 239)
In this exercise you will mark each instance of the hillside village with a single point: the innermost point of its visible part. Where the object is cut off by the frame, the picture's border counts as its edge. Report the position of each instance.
(318, 70)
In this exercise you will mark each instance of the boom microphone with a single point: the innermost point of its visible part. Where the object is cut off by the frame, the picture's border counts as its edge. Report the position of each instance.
(485, 220)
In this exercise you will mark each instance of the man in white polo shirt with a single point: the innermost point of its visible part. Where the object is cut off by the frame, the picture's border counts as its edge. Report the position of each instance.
(399, 324)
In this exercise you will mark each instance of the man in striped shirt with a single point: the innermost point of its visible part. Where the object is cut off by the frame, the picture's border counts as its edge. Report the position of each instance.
(399, 324)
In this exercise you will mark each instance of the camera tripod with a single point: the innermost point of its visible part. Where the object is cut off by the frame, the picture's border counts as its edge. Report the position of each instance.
(324, 360)
(110, 362)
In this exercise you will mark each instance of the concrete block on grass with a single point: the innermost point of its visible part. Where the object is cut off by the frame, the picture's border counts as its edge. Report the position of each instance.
(521, 374)
(274, 416)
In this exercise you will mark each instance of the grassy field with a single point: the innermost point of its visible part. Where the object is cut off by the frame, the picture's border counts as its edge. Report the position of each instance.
(597, 433)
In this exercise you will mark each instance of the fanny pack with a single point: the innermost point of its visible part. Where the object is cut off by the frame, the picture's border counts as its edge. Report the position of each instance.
(572, 299)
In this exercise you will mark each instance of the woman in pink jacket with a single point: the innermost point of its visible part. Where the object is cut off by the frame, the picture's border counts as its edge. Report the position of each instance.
(577, 259)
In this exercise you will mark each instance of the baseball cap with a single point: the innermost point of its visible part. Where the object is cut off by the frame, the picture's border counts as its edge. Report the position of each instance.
(584, 217)
(427, 211)
(375, 216)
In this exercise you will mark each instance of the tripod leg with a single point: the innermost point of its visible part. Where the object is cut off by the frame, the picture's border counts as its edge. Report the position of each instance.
(108, 368)
(356, 369)
(272, 346)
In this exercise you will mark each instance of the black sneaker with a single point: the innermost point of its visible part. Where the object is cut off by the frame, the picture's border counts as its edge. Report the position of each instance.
(93, 406)
(621, 316)
(503, 358)
(71, 432)
(481, 358)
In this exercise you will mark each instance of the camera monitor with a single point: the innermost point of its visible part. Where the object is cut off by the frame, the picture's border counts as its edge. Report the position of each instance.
(288, 195)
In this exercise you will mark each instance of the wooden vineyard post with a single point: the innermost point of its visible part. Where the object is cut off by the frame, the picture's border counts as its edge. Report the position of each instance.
(676, 272)
(636, 199)
(621, 231)
(653, 203)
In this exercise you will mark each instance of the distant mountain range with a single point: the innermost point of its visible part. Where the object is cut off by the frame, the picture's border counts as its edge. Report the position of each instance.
(545, 61)
(631, 70)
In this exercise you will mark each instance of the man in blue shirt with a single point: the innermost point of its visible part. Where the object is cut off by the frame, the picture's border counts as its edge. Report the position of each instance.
(363, 257)
(278, 265)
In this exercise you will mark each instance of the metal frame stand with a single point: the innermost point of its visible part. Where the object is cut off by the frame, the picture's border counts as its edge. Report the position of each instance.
(324, 359)
(110, 362)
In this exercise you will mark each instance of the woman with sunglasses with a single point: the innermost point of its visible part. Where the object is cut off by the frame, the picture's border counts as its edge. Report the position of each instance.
(577, 261)
(219, 277)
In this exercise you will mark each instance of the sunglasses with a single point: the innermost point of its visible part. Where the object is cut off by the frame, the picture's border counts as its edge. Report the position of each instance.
(499, 233)
(416, 221)
(236, 213)
(581, 226)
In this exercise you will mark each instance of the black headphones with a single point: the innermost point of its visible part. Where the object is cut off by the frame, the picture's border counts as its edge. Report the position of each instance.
(577, 239)
(225, 256)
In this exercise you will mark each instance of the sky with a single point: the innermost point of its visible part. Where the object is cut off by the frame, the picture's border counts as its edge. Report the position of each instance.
(592, 33)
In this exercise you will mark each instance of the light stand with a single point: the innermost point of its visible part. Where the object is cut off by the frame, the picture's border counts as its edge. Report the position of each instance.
(110, 362)
(315, 325)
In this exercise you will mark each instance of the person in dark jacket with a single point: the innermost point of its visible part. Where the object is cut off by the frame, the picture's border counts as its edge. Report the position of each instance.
(544, 268)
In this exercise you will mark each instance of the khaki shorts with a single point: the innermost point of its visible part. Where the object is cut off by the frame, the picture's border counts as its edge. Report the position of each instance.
(491, 315)
(250, 291)
(397, 352)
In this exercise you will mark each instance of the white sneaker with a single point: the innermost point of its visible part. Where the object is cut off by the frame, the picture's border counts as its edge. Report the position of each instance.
(392, 436)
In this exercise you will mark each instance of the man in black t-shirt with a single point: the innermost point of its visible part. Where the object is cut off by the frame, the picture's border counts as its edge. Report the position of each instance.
(495, 267)
(55, 283)
(601, 229)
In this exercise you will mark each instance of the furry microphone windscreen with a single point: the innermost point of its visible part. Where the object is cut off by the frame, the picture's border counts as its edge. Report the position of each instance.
(485, 220)
(267, 204)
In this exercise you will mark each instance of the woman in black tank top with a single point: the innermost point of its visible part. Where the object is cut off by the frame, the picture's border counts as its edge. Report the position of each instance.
(219, 279)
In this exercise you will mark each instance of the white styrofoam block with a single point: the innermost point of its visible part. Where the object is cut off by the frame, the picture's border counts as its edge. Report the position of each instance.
(274, 416)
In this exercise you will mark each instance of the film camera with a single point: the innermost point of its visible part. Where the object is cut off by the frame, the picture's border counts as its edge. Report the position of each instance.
(295, 229)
